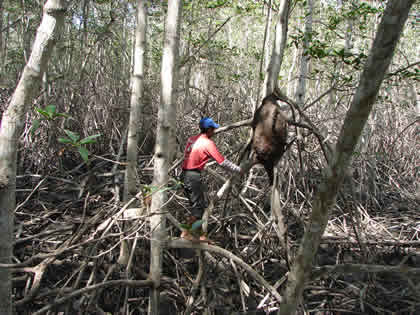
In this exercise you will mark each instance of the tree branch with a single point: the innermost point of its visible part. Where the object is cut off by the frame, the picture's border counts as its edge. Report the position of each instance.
(178, 243)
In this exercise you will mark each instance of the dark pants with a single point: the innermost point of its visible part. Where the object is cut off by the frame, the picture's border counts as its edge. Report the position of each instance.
(195, 190)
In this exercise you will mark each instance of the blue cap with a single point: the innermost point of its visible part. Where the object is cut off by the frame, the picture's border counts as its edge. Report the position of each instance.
(207, 122)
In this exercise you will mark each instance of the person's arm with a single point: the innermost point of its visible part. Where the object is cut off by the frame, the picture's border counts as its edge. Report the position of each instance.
(230, 166)
(223, 162)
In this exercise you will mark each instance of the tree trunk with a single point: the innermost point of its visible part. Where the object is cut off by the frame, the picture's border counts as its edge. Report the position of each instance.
(85, 19)
(11, 127)
(387, 37)
(1, 38)
(278, 49)
(25, 33)
(137, 104)
(290, 77)
(5, 41)
(414, 100)
(165, 147)
(266, 40)
(185, 107)
(303, 73)
(304, 58)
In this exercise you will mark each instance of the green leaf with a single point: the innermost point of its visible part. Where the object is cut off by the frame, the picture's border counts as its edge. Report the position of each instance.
(35, 125)
(64, 140)
(196, 225)
(147, 188)
(72, 135)
(84, 153)
(48, 112)
(50, 109)
(90, 139)
(43, 113)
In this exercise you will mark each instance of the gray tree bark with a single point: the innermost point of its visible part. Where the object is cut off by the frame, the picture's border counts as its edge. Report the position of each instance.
(85, 17)
(165, 147)
(136, 108)
(1, 37)
(12, 124)
(304, 58)
(415, 100)
(137, 104)
(264, 54)
(380, 56)
(278, 49)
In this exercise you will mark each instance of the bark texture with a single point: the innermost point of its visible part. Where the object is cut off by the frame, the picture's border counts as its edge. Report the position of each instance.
(1, 36)
(11, 127)
(278, 48)
(136, 108)
(265, 53)
(130, 189)
(165, 147)
(305, 57)
(380, 57)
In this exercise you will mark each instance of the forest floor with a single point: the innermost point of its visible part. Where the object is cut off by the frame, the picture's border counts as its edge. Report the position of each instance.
(368, 262)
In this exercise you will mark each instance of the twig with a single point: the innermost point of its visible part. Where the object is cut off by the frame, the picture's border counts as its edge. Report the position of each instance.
(129, 283)
(30, 195)
(196, 285)
(112, 161)
(255, 275)
(403, 69)
(400, 133)
(238, 278)
(358, 268)
(128, 271)
(44, 233)
(371, 243)
(195, 53)
(246, 122)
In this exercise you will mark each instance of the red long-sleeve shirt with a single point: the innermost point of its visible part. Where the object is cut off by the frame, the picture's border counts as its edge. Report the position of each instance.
(198, 151)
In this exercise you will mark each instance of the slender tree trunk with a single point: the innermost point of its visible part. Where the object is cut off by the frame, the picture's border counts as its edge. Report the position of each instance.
(85, 17)
(5, 41)
(387, 37)
(305, 57)
(1, 37)
(266, 40)
(11, 127)
(186, 105)
(290, 77)
(25, 33)
(137, 104)
(278, 49)
(349, 30)
(303, 73)
(165, 147)
(415, 99)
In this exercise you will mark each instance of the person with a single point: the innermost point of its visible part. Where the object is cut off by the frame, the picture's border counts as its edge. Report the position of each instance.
(198, 151)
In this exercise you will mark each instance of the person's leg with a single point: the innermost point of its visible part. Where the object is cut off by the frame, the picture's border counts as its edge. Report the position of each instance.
(195, 192)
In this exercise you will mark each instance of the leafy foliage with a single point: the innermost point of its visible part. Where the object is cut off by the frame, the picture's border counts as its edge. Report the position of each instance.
(71, 139)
